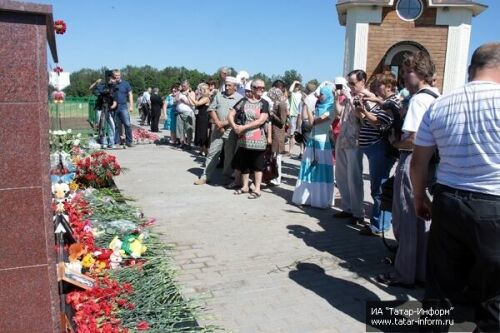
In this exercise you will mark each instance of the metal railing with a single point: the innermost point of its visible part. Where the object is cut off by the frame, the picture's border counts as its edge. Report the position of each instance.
(76, 113)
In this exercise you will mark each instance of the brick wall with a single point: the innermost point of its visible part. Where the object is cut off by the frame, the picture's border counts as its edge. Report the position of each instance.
(382, 37)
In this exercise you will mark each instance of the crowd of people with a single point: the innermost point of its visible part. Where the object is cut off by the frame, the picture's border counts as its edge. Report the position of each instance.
(445, 147)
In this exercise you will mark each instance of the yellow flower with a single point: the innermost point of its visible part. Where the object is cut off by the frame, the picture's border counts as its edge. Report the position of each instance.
(73, 186)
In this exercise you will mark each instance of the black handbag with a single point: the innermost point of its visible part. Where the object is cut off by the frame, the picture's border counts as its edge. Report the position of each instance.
(271, 167)
(240, 118)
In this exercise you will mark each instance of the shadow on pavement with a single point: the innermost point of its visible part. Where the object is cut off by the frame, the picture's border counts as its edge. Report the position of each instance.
(338, 292)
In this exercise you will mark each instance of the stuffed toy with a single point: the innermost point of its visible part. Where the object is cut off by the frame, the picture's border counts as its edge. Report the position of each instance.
(76, 251)
(132, 245)
(115, 258)
(60, 208)
(88, 261)
(60, 190)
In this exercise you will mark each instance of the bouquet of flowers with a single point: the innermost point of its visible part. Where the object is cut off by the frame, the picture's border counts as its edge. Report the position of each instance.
(144, 136)
(96, 310)
(64, 140)
(97, 170)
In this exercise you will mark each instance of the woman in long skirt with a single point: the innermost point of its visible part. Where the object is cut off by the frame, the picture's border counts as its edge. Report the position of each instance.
(170, 116)
(202, 102)
(315, 182)
(278, 116)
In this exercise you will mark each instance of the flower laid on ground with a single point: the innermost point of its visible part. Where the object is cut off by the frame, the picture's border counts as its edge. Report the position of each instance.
(143, 326)
(140, 295)
(96, 309)
(97, 170)
(134, 288)
(141, 135)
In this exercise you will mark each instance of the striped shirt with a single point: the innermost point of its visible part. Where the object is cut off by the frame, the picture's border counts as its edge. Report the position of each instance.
(370, 133)
(465, 126)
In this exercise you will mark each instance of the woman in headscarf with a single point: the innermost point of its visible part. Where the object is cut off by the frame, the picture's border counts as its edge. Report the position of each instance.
(315, 182)
(278, 116)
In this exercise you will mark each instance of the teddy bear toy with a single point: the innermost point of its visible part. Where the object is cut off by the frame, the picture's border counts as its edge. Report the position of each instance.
(115, 258)
(76, 251)
(60, 190)
(132, 245)
(88, 261)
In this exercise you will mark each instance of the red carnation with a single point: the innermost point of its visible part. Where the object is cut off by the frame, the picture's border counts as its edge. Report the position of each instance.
(143, 326)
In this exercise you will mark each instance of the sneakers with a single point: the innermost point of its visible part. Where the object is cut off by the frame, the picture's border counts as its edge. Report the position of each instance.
(201, 181)
(342, 215)
(111, 147)
(129, 145)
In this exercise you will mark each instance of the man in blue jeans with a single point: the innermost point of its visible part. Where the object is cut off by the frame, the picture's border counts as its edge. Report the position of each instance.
(123, 95)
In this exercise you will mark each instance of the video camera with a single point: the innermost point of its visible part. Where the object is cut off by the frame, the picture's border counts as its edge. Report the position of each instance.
(109, 84)
(105, 96)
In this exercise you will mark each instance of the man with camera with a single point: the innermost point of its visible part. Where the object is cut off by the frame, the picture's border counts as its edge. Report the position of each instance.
(349, 163)
(124, 99)
(105, 108)
(222, 137)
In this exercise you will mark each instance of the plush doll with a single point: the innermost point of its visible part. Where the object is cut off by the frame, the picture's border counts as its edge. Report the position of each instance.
(88, 261)
(60, 190)
(76, 251)
(115, 258)
(132, 245)
(60, 208)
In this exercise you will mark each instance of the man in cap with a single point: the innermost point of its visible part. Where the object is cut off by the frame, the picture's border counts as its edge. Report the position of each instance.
(222, 136)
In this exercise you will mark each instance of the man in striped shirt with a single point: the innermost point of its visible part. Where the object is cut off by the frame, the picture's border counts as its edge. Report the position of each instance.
(463, 258)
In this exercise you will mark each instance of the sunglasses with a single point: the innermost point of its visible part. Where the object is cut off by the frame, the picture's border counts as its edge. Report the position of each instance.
(351, 83)
(259, 88)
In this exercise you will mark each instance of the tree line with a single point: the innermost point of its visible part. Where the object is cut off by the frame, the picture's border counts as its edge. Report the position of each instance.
(140, 78)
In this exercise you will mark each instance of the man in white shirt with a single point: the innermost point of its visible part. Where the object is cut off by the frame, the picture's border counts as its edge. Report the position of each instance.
(146, 107)
(295, 101)
(464, 242)
(410, 231)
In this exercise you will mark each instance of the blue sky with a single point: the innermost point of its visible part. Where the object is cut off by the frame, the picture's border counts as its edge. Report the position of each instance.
(268, 36)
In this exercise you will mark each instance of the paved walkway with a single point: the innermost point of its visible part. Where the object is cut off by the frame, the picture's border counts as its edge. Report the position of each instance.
(257, 265)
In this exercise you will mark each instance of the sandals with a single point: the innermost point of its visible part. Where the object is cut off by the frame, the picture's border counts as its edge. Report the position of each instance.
(254, 195)
(240, 191)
